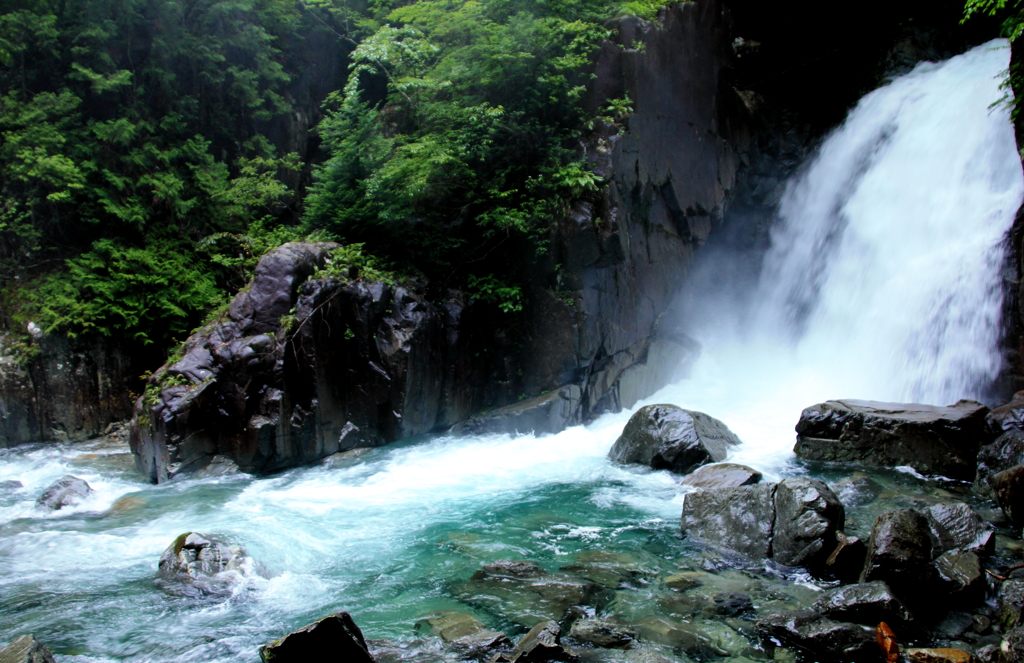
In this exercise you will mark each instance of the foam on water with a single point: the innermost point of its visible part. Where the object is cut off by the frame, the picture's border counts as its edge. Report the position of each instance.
(882, 283)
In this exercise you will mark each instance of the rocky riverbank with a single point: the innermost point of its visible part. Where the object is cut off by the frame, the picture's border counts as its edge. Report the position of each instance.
(804, 568)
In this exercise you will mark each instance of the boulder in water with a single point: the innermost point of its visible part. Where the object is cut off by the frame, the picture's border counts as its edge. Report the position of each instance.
(667, 437)
(197, 565)
(961, 575)
(795, 522)
(900, 554)
(10, 486)
(807, 516)
(819, 637)
(722, 475)
(933, 440)
(335, 637)
(67, 491)
(26, 649)
(956, 526)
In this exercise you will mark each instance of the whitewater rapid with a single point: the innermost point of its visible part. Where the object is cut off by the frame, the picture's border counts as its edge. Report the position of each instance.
(883, 282)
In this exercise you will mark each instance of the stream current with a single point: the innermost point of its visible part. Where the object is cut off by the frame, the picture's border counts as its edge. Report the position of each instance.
(884, 282)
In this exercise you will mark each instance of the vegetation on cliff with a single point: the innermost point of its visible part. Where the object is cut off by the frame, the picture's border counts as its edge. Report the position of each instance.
(146, 166)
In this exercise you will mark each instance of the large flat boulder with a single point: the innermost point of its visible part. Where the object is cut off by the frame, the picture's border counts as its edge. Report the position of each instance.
(931, 439)
(667, 437)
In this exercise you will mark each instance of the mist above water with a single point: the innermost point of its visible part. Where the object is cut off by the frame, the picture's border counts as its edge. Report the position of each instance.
(883, 282)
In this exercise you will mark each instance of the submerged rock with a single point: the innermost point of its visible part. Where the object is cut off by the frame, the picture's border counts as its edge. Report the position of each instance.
(667, 437)
(933, 440)
(26, 649)
(335, 637)
(607, 632)
(527, 594)
(196, 565)
(794, 522)
(722, 475)
(465, 633)
(10, 486)
(67, 491)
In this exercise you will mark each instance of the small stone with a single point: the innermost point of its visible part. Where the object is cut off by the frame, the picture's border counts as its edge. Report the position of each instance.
(67, 491)
(937, 656)
(981, 624)
(335, 637)
(954, 625)
(722, 475)
(26, 649)
(683, 581)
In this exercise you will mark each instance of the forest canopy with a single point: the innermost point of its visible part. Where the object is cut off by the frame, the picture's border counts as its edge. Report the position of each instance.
(152, 152)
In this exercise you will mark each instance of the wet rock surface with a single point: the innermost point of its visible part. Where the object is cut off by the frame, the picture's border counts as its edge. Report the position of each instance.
(941, 441)
(335, 637)
(862, 603)
(26, 649)
(610, 633)
(667, 437)
(956, 526)
(67, 491)
(793, 522)
(1008, 486)
(819, 637)
(541, 644)
(722, 475)
(196, 565)
(1006, 452)
(900, 553)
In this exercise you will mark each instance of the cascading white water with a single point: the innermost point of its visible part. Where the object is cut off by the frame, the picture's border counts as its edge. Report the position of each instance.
(882, 283)
(886, 261)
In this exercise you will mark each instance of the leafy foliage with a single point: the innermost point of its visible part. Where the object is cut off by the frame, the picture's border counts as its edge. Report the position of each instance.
(458, 133)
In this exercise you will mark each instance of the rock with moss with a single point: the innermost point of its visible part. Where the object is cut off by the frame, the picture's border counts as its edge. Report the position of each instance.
(196, 565)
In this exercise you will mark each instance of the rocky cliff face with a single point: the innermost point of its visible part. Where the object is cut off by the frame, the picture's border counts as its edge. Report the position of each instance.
(69, 391)
(366, 363)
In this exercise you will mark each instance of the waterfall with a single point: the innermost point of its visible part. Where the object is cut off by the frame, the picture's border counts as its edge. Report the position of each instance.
(882, 282)
(885, 264)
